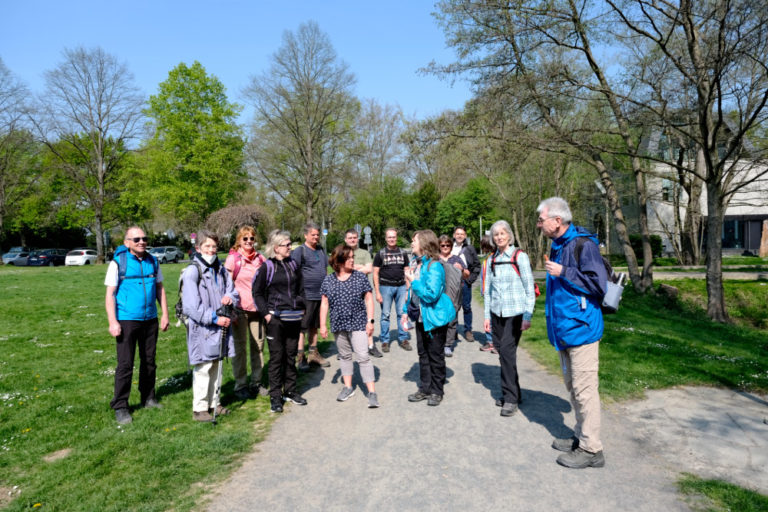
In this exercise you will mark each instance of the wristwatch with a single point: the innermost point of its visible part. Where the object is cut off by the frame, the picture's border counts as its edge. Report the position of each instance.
(372, 321)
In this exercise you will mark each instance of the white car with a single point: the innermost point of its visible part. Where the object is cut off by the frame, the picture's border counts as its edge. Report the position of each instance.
(80, 257)
(167, 253)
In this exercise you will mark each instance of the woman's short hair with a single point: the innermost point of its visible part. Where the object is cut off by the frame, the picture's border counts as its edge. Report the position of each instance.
(428, 243)
(339, 256)
(243, 231)
(275, 238)
(203, 235)
(445, 239)
(556, 207)
(502, 224)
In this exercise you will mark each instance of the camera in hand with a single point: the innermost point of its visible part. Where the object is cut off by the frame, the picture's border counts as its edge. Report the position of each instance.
(226, 310)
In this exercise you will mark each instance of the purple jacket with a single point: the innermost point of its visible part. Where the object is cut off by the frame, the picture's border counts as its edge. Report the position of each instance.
(201, 300)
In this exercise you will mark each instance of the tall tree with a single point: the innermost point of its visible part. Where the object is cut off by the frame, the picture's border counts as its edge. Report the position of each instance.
(304, 119)
(88, 116)
(379, 151)
(196, 153)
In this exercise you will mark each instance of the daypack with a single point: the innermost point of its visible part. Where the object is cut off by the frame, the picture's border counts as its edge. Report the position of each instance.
(515, 266)
(452, 284)
(614, 284)
(239, 262)
(180, 316)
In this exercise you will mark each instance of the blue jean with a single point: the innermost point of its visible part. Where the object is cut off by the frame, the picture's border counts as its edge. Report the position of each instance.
(466, 305)
(388, 294)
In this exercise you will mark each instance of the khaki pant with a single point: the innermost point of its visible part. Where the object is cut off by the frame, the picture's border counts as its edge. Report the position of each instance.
(248, 333)
(204, 395)
(580, 365)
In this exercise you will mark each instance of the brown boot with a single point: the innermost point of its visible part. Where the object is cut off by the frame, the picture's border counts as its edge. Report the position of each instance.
(314, 357)
(302, 362)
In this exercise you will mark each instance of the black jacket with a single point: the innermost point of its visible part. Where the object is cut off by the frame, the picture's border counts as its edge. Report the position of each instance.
(283, 292)
(473, 262)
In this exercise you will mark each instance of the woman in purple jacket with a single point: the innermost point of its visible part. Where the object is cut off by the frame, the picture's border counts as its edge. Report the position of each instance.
(206, 287)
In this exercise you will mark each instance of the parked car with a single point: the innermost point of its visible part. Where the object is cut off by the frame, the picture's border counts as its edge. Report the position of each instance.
(18, 259)
(81, 257)
(167, 253)
(13, 253)
(47, 257)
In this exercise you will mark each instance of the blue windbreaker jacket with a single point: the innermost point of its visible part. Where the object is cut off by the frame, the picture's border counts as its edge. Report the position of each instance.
(573, 300)
(436, 307)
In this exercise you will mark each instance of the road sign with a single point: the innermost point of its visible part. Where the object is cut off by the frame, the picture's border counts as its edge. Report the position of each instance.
(358, 228)
(367, 230)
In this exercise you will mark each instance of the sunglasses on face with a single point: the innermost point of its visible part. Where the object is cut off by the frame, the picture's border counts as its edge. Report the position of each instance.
(287, 244)
(249, 239)
(445, 245)
(138, 239)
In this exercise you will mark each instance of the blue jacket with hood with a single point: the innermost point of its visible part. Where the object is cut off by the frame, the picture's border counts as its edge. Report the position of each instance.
(573, 300)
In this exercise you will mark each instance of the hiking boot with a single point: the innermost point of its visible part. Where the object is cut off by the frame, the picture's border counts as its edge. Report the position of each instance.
(448, 352)
(384, 347)
(220, 410)
(295, 398)
(152, 404)
(374, 352)
(580, 459)
(243, 394)
(373, 400)
(123, 416)
(434, 400)
(203, 416)
(566, 445)
(487, 347)
(345, 393)
(303, 365)
(418, 396)
(276, 405)
(469, 336)
(314, 357)
(508, 409)
(405, 345)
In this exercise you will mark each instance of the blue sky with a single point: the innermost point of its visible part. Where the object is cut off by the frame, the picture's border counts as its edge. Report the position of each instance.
(384, 43)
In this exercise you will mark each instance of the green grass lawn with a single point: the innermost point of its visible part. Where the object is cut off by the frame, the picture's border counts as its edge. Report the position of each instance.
(716, 495)
(59, 442)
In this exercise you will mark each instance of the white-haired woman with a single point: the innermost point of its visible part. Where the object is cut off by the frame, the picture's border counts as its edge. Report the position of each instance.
(278, 293)
(509, 302)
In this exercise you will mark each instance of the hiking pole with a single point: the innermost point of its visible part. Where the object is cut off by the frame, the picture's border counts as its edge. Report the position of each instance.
(225, 310)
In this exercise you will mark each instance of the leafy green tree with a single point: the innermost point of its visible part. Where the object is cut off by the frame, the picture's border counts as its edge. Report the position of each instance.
(465, 207)
(195, 157)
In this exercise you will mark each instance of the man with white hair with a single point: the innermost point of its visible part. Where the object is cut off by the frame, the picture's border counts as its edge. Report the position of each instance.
(576, 282)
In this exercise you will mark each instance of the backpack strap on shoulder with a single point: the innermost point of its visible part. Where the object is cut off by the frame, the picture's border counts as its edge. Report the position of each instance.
(122, 266)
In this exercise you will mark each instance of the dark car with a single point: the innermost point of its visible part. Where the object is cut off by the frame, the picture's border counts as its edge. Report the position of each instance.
(47, 258)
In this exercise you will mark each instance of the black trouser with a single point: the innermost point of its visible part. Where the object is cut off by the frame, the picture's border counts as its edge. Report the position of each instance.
(133, 332)
(506, 335)
(283, 342)
(431, 349)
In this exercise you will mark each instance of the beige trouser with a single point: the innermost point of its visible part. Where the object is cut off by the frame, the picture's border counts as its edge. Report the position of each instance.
(580, 365)
(248, 333)
(204, 395)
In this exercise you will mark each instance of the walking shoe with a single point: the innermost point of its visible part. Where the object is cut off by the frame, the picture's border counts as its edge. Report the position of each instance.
(220, 410)
(566, 445)
(499, 402)
(469, 336)
(257, 390)
(373, 400)
(276, 405)
(434, 399)
(294, 398)
(243, 394)
(203, 416)
(123, 416)
(418, 396)
(486, 347)
(314, 357)
(448, 352)
(405, 345)
(508, 409)
(384, 347)
(345, 393)
(303, 365)
(580, 459)
(494, 350)
(374, 352)
(152, 404)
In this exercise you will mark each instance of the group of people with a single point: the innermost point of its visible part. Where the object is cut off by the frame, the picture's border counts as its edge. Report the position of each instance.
(286, 296)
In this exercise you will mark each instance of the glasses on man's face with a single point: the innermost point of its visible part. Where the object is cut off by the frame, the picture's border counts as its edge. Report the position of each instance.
(542, 221)
(138, 239)
(249, 239)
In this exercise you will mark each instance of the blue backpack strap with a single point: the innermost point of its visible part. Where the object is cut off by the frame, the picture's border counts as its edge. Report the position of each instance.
(122, 266)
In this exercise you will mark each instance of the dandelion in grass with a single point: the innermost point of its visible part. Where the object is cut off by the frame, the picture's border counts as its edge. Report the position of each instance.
(37, 505)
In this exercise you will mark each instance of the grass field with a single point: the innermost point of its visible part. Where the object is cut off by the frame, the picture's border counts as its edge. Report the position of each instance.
(60, 448)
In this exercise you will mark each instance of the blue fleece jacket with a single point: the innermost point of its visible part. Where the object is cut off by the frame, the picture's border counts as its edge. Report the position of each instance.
(573, 300)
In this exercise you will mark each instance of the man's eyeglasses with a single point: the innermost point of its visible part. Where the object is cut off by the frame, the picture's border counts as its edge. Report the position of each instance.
(249, 239)
(542, 221)
(138, 239)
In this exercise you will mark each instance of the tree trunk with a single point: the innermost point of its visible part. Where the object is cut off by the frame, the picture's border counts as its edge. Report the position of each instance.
(98, 231)
(715, 294)
(689, 237)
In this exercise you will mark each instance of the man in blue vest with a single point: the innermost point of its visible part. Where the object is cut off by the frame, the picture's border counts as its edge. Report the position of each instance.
(134, 282)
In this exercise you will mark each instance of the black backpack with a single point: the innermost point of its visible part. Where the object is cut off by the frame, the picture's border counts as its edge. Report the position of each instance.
(614, 287)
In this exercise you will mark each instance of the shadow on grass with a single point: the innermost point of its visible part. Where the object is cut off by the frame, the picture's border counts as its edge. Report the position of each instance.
(176, 383)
